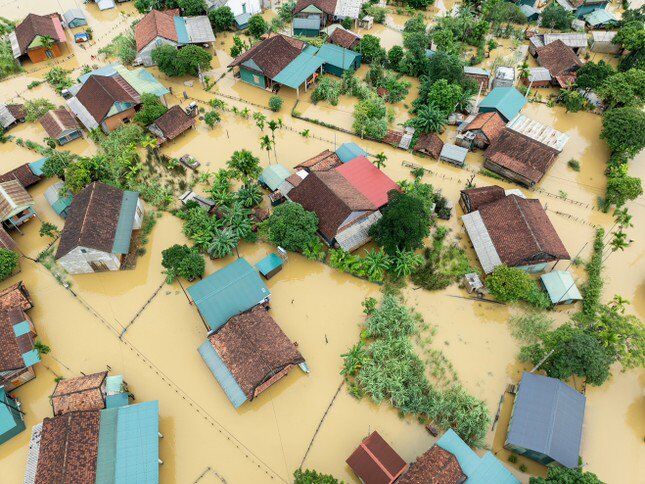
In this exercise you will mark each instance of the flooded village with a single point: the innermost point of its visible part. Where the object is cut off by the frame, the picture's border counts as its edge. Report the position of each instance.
(321, 241)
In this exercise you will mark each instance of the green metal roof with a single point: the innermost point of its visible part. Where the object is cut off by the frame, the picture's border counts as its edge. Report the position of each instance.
(36, 167)
(273, 176)
(337, 56)
(222, 374)
(599, 17)
(123, 234)
(228, 292)
(348, 151)
(269, 263)
(142, 80)
(560, 286)
(507, 101)
(298, 70)
(11, 422)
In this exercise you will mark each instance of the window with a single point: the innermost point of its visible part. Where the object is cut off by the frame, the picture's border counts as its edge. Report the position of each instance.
(256, 79)
(49, 54)
(83, 251)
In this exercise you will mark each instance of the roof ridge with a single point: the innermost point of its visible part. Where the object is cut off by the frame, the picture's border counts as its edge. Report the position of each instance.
(552, 416)
(528, 225)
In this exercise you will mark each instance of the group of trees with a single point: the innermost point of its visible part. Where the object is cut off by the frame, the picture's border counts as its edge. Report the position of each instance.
(188, 60)
(182, 261)
(188, 7)
(151, 109)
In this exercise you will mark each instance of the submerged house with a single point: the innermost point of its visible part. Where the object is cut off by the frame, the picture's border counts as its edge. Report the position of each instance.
(429, 144)
(506, 101)
(309, 16)
(172, 123)
(11, 419)
(16, 205)
(370, 182)
(110, 96)
(60, 202)
(338, 60)
(248, 354)
(11, 115)
(479, 75)
(538, 77)
(158, 28)
(242, 10)
(96, 391)
(602, 42)
(546, 423)
(342, 37)
(485, 129)
(38, 37)
(561, 62)
(74, 18)
(576, 41)
(27, 174)
(539, 132)
(273, 176)
(510, 230)
(376, 462)
(119, 444)
(98, 229)
(324, 161)
(348, 151)
(61, 125)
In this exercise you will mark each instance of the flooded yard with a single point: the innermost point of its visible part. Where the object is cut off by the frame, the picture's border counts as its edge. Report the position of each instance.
(92, 325)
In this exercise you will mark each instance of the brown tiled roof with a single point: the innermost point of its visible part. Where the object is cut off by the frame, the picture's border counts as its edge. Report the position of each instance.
(6, 242)
(393, 137)
(69, 449)
(15, 296)
(57, 121)
(344, 38)
(476, 197)
(429, 143)
(332, 198)
(174, 122)
(521, 231)
(155, 24)
(11, 347)
(33, 26)
(271, 55)
(23, 174)
(99, 93)
(254, 348)
(323, 161)
(435, 466)
(294, 179)
(375, 462)
(13, 195)
(16, 110)
(326, 6)
(491, 124)
(521, 154)
(558, 58)
(92, 220)
(80, 393)
(565, 80)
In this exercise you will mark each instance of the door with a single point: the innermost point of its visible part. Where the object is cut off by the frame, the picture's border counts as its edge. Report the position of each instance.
(98, 266)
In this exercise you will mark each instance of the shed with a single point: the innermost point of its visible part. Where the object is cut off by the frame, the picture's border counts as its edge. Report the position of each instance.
(429, 144)
(600, 18)
(507, 101)
(531, 13)
(24, 173)
(546, 423)
(308, 26)
(349, 151)
(36, 167)
(11, 421)
(504, 77)
(61, 125)
(74, 18)
(453, 154)
(270, 265)
(602, 42)
(561, 287)
(105, 4)
(172, 123)
(60, 204)
(338, 60)
(273, 176)
(376, 462)
(574, 40)
(16, 205)
(538, 77)
(231, 290)
(481, 76)
(10, 115)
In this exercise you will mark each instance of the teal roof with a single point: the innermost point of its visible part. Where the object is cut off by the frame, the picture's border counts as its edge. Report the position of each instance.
(337, 56)
(123, 234)
(479, 470)
(117, 400)
(31, 358)
(228, 292)
(21, 328)
(182, 31)
(599, 17)
(62, 204)
(223, 375)
(299, 70)
(269, 263)
(507, 101)
(129, 444)
(273, 176)
(142, 80)
(11, 422)
(560, 286)
(348, 151)
(36, 167)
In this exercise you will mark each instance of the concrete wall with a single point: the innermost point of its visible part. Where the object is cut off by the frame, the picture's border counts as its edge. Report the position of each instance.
(145, 56)
(113, 122)
(78, 260)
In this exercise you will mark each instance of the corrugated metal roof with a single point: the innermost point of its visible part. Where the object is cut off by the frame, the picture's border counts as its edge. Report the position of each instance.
(349, 151)
(34, 453)
(476, 71)
(222, 374)
(547, 418)
(337, 56)
(298, 70)
(273, 176)
(357, 235)
(312, 22)
(36, 167)
(560, 286)
(603, 35)
(13, 199)
(539, 132)
(453, 152)
(6, 118)
(123, 234)
(348, 8)
(199, 29)
(371, 182)
(74, 14)
(82, 113)
(142, 81)
(180, 28)
(11, 422)
(107, 445)
(269, 263)
(571, 39)
(58, 203)
(137, 443)
(599, 17)
(482, 243)
(105, 4)
(507, 101)
(233, 289)
(537, 74)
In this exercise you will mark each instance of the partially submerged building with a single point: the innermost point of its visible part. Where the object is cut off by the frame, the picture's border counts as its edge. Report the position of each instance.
(96, 391)
(11, 115)
(242, 10)
(576, 41)
(11, 417)
(504, 77)
(98, 229)
(16, 205)
(547, 420)
(59, 199)
(342, 37)
(561, 287)
(370, 182)
(324, 161)
(485, 128)
(338, 60)
(309, 16)
(539, 132)
(27, 174)
(248, 354)
(538, 77)
(74, 18)
(453, 154)
(602, 42)
(479, 75)
(561, 62)
(273, 176)
(429, 144)
(376, 462)
(348, 151)
(60, 125)
(506, 101)
(510, 230)
(172, 123)
(38, 37)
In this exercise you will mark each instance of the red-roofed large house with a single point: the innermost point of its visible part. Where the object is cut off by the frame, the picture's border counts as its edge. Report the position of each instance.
(38, 37)
(371, 182)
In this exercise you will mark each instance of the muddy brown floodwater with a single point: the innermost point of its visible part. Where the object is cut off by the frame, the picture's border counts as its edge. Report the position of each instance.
(205, 439)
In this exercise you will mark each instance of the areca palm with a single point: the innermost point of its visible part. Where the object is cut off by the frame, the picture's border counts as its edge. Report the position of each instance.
(380, 160)
(249, 195)
(429, 119)
(274, 125)
(266, 144)
(223, 244)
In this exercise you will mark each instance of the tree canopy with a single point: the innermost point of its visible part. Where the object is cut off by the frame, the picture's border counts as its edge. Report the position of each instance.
(292, 227)
(221, 18)
(186, 61)
(151, 109)
(624, 130)
(554, 16)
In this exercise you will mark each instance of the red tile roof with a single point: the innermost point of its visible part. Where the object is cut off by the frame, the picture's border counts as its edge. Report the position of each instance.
(15, 296)
(272, 54)
(435, 466)
(344, 38)
(323, 161)
(430, 144)
(558, 58)
(155, 24)
(6, 242)
(23, 174)
(393, 137)
(57, 121)
(375, 462)
(476, 197)
(326, 6)
(174, 122)
(491, 124)
(521, 231)
(78, 394)
(38, 25)
(371, 182)
(99, 93)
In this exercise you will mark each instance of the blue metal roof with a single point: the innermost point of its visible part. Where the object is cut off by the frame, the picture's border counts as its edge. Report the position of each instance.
(273, 176)
(547, 418)
(337, 56)
(182, 32)
(599, 17)
(222, 374)
(560, 286)
(31, 358)
(228, 292)
(21, 328)
(123, 234)
(348, 151)
(298, 70)
(36, 167)
(242, 20)
(507, 101)
(11, 422)
(269, 263)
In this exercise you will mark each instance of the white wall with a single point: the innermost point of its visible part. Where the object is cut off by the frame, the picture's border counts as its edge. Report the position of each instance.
(77, 261)
(252, 6)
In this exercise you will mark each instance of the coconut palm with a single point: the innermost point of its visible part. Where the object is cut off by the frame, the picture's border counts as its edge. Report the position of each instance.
(249, 195)
(47, 42)
(619, 241)
(266, 143)
(274, 125)
(525, 71)
(245, 164)
(380, 160)
(405, 262)
(223, 244)
(222, 196)
(429, 119)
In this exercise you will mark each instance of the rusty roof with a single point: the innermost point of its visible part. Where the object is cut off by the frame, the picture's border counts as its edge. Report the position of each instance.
(476, 197)
(34, 26)
(375, 462)
(155, 24)
(69, 448)
(521, 231)
(6, 242)
(326, 6)
(435, 466)
(12, 347)
(558, 58)
(92, 219)
(15, 296)
(174, 122)
(332, 198)
(429, 143)
(57, 121)
(520, 154)
(491, 124)
(326, 160)
(16, 110)
(79, 393)
(271, 55)
(13, 195)
(344, 38)
(254, 348)
(23, 174)
(99, 93)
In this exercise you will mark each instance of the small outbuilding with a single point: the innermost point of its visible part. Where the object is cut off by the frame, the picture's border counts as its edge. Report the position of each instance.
(74, 18)
(59, 200)
(273, 176)
(11, 420)
(28, 174)
(486, 128)
(538, 77)
(507, 101)
(172, 123)
(602, 42)
(453, 154)
(429, 144)
(479, 75)
(504, 77)
(600, 18)
(11, 115)
(539, 132)
(343, 38)
(323, 161)
(270, 265)
(546, 423)
(61, 125)
(16, 205)
(338, 60)
(96, 391)
(561, 287)
(348, 151)
(376, 462)
(17, 342)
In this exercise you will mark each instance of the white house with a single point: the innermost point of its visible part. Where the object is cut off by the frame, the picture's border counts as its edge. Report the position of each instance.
(242, 9)
(98, 229)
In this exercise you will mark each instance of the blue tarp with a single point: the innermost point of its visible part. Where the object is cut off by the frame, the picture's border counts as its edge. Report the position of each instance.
(299, 70)
(348, 151)
(222, 374)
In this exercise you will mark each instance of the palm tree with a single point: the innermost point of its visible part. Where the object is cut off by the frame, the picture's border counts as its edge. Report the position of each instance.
(380, 160)
(237, 218)
(274, 125)
(464, 101)
(222, 196)
(223, 243)
(149, 142)
(266, 144)
(259, 120)
(245, 164)
(619, 241)
(524, 70)
(405, 262)
(249, 195)
(47, 42)
(375, 263)
(429, 119)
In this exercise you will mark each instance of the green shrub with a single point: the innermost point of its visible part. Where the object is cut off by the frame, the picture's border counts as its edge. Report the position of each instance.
(309, 476)
(573, 164)
(292, 227)
(275, 103)
(510, 284)
(8, 263)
